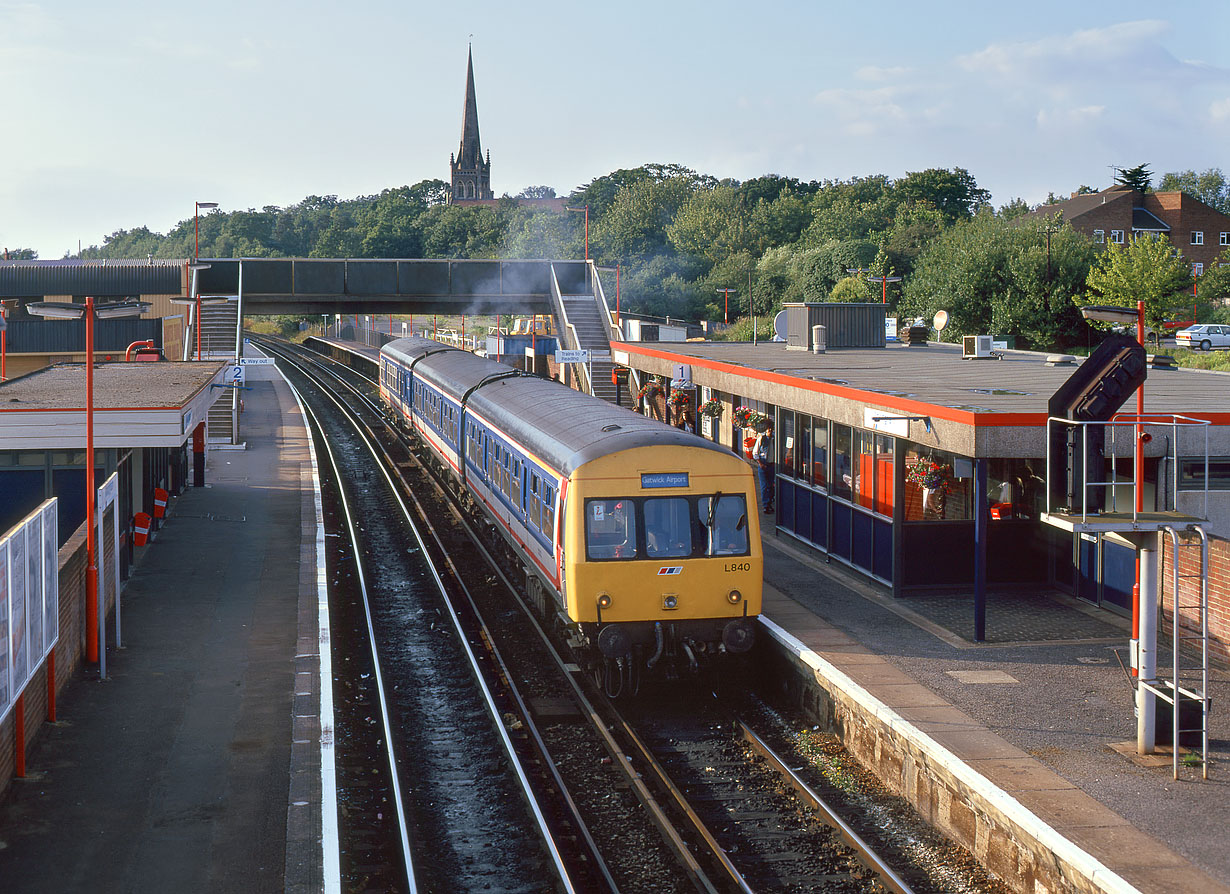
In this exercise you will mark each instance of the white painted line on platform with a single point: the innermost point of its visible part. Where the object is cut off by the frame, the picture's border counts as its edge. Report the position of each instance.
(331, 872)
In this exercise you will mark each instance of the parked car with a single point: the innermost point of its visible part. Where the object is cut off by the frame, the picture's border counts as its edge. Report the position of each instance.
(1206, 337)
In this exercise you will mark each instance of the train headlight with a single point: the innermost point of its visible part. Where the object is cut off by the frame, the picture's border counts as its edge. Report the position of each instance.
(604, 600)
(670, 601)
(734, 597)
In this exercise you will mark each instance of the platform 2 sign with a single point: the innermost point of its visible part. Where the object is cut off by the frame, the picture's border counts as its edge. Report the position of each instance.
(29, 600)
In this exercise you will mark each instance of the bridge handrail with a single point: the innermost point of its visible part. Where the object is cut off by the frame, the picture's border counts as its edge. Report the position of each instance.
(613, 332)
(557, 298)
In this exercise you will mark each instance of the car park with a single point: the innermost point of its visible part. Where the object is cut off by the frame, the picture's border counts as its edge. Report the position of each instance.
(1205, 336)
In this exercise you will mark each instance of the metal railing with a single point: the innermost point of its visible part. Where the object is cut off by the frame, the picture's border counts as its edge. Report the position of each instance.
(1117, 484)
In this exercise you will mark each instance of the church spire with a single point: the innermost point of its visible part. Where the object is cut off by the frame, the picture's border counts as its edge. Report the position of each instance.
(471, 175)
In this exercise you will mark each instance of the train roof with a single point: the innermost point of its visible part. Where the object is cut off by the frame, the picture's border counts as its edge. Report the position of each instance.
(412, 348)
(565, 428)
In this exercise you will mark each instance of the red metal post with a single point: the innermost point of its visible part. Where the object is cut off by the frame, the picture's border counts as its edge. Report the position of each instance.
(4, 348)
(1140, 480)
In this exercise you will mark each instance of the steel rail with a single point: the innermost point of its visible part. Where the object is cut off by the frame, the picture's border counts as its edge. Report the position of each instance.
(371, 638)
(867, 854)
(488, 697)
(569, 672)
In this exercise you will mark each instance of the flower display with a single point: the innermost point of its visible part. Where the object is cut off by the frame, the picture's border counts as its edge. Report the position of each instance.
(679, 399)
(650, 389)
(746, 417)
(926, 472)
(711, 407)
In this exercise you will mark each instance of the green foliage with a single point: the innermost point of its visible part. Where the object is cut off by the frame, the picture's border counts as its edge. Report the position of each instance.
(1213, 286)
(1146, 269)
(1137, 177)
(1209, 187)
(997, 277)
(851, 290)
(20, 254)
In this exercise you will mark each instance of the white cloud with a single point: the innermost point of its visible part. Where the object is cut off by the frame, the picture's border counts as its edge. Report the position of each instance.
(1219, 110)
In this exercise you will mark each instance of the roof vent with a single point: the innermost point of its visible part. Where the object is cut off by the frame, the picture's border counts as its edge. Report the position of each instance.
(1060, 359)
(611, 427)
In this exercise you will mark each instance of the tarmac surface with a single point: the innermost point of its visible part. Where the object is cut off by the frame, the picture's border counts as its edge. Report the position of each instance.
(175, 773)
(196, 765)
(1048, 686)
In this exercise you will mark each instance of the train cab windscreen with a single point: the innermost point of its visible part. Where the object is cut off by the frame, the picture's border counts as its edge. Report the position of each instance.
(673, 527)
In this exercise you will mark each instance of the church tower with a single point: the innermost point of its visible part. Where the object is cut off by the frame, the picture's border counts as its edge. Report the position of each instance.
(471, 175)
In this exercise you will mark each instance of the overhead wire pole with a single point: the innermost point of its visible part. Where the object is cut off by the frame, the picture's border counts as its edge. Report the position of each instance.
(726, 312)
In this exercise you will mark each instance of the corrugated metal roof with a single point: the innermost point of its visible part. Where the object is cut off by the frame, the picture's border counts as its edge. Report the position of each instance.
(110, 279)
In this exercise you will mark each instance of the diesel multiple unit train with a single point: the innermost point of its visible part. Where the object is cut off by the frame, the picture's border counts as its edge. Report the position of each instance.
(644, 539)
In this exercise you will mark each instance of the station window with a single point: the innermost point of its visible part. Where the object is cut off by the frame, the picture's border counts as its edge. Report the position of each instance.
(1015, 488)
(843, 474)
(1192, 477)
(939, 486)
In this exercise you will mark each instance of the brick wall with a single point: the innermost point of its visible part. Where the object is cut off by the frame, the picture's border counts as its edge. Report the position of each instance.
(1219, 591)
(69, 652)
(1184, 215)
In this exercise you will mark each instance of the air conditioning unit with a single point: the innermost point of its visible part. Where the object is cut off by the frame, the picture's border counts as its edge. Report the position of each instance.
(974, 346)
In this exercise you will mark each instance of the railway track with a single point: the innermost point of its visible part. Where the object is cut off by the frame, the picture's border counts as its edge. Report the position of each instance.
(669, 798)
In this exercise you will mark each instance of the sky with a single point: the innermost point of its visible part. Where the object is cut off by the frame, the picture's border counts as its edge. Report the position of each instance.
(122, 115)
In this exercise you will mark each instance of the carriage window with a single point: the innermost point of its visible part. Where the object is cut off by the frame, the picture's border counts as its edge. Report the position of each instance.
(548, 511)
(668, 527)
(610, 529)
(728, 534)
(535, 503)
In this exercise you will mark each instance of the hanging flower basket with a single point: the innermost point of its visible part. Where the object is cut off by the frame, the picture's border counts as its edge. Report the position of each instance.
(927, 473)
(742, 415)
(712, 407)
(679, 399)
(758, 422)
(650, 389)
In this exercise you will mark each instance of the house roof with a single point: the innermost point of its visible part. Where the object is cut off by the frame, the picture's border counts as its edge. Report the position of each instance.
(1147, 221)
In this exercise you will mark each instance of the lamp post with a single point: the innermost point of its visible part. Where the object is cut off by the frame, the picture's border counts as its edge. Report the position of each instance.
(196, 217)
(195, 299)
(726, 306)
(64, 310)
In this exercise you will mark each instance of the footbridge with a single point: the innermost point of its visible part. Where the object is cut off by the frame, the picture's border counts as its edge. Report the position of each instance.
(568, 290)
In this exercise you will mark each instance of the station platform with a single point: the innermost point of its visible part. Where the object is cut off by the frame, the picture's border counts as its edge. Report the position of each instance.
(195, 766)
(1032, 717)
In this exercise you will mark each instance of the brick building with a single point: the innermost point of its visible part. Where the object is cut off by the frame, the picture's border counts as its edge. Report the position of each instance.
(1199, 232)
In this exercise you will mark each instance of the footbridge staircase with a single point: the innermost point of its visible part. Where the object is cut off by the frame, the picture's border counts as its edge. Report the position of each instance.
(584, 323)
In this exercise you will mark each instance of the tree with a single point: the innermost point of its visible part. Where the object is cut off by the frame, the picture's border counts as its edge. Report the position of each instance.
(955, 194)
(1213, 286)
(850, 290)
(20, 254)
(1146, 269)
(537, 192)
(993, 277)
(1209, 187)
(1137, 177)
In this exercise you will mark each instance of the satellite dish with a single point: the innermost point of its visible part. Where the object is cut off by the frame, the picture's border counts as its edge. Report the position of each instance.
(779, 325)
(940, 321)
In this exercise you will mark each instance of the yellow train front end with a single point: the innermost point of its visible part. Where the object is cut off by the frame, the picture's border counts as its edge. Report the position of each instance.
(663, 557)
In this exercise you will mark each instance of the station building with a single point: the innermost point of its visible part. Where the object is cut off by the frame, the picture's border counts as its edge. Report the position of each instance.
(880, 446)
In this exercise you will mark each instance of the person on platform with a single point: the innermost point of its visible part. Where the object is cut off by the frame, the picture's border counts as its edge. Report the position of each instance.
(762, 455)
